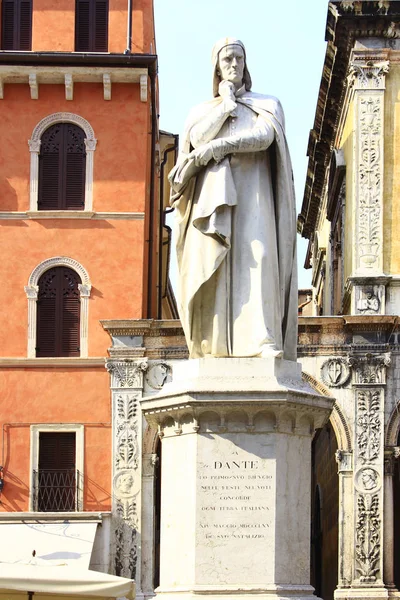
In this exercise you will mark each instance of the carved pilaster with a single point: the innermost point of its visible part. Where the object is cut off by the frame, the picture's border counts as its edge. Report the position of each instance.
(368, 81)
(126, 391)
(369, 379)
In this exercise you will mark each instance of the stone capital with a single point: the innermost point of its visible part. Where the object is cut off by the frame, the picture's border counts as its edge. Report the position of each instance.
(368, 74)
(127, 373)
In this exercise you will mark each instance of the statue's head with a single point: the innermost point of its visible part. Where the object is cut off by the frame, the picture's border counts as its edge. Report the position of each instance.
(229, 62)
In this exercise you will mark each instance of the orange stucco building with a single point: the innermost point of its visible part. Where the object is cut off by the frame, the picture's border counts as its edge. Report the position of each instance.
(81, 237)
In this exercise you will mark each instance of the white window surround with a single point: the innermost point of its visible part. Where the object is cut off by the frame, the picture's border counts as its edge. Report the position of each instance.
(79, 454)
(32, 290)
(34, 147)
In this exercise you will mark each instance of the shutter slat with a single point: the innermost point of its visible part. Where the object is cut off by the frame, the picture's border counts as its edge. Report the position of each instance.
(46, 320)
(101, 26)
(82, 26)
(58, 313)
(16, 24)
(57, 450)
(8, 18)
(91, 26)
(25, 25)
(75, 181)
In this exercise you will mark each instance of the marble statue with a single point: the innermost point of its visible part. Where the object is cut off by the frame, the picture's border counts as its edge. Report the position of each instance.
(232, 188)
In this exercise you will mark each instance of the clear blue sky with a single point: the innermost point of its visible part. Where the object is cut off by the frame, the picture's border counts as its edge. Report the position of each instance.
(285, 51)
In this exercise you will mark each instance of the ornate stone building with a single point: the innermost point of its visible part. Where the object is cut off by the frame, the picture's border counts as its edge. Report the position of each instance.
(82, 173)
(351, 216)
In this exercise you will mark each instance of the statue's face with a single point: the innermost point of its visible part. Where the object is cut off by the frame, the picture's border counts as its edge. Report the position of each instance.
(231, 64)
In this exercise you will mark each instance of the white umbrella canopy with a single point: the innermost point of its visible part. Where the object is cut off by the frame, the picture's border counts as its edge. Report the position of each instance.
(60, 581)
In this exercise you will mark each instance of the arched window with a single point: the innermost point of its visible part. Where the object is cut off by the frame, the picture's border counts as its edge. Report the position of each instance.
(62, 147)
(58, 313)
(16, 19)
(58, 294)
(62, 165)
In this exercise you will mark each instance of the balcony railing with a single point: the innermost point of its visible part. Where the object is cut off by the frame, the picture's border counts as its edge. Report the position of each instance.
(56, 490)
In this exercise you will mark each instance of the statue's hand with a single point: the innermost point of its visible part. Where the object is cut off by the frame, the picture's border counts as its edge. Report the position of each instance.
(202, 155)
(226, 90)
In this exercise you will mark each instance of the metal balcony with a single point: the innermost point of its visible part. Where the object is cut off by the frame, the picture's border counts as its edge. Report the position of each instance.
(56, 490)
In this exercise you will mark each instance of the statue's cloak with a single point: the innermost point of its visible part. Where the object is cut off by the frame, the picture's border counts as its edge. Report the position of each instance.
(203, 229)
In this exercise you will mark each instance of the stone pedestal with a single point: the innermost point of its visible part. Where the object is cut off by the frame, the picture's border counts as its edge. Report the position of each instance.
(236, 452)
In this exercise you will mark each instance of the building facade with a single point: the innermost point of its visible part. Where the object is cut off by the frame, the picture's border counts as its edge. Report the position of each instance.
(81, 240)
(351, 216)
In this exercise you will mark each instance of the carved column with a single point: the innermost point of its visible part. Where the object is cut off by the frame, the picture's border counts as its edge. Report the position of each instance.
(388, 565)
(369, 381)
(126, 391)
(148, 521)
(345, 471)
(368, 282)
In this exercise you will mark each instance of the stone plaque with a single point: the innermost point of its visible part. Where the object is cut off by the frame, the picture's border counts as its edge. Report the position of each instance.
(235, 522)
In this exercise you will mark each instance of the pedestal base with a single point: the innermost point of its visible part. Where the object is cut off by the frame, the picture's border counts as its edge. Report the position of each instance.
(271, 592)
(235, 503)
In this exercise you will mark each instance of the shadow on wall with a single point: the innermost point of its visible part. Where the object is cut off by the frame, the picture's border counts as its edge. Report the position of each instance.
(15, 495)
(8, 196)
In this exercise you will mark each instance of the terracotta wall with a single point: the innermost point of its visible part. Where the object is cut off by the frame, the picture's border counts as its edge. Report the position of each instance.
(120, 127)
(53, 26)
(55, 396)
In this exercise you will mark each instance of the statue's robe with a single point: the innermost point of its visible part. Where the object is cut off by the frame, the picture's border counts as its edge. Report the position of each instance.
(236, 235)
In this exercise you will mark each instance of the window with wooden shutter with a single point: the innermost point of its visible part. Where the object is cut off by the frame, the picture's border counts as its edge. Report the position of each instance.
(58, 313)
(16, 19)
(62, 168)
(57, 475)
(91, 26)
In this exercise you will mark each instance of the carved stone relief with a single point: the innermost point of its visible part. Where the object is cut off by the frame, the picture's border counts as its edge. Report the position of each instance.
(368, 79)
(127, 373)
(369, 378)
(335, 372)
(368, 537)
(370, 369)
(126, 385)
(158, 375)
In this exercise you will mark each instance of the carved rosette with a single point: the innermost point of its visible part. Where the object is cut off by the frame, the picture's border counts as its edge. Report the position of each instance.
(126, 386)
(369, 379)
(368, 81)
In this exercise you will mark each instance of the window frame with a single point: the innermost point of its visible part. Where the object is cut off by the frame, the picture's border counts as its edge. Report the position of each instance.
(32, 290)
(16, 33)
(34, 148)
(35, 431)
(92, 33)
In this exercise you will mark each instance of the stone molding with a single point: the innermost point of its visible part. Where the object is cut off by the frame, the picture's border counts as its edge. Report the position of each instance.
(248, 417)
(39, 215)
(32, 289)
(34, 148)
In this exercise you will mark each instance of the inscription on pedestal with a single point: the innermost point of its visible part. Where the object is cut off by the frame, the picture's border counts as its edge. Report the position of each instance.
(236, 511)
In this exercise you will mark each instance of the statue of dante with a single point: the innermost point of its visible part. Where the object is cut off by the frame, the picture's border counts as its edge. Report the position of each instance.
(232, 188)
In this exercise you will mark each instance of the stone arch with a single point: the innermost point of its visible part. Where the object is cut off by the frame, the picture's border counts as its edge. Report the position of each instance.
(393, 426)
(338, 420)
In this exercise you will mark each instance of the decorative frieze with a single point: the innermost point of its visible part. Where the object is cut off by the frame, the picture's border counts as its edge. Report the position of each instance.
(126, 386)
(369, 379)
(367, 79)
(368, 538)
